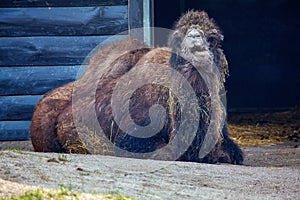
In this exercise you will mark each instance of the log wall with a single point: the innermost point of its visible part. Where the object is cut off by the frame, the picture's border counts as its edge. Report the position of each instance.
(43, 45)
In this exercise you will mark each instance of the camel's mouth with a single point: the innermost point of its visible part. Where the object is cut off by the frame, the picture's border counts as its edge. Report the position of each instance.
(198, 48)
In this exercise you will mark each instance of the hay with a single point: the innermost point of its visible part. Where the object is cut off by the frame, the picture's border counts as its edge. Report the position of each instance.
(267, 128)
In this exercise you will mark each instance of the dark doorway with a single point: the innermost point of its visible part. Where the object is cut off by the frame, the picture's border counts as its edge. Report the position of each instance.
(261, 44)
(165, 15)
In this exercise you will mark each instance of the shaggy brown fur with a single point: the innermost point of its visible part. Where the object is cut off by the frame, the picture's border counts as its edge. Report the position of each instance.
(43, 126)
(57, 131)
(47, 122)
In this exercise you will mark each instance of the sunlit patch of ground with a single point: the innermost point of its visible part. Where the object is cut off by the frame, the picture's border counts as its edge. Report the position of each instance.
(269, 128)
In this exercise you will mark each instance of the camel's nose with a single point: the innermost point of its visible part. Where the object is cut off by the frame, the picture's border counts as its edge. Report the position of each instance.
(196, 37)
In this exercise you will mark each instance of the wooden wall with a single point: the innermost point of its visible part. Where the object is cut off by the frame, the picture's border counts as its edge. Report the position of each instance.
(42, 46)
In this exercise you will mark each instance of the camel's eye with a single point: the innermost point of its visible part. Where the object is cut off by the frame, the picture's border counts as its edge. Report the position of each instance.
(196, 36)
(194, 33)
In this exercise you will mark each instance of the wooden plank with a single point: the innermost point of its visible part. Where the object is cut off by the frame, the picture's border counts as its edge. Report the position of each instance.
(14, 108)
(72, 21)
(56, 3)
(141, 15)
(148, 13)
(35, 80)
(48, 51)
(135, 16)
(14, 130)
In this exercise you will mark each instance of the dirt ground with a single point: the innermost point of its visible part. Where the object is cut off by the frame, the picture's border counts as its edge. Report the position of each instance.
(148, 179)
(270, 142)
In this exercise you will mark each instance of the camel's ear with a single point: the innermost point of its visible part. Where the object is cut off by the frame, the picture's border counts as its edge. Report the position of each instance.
(221, 37)
(175, 41)
(217, 34)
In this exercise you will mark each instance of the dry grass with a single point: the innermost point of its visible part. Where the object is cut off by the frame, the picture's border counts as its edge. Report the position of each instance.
(256, 129)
